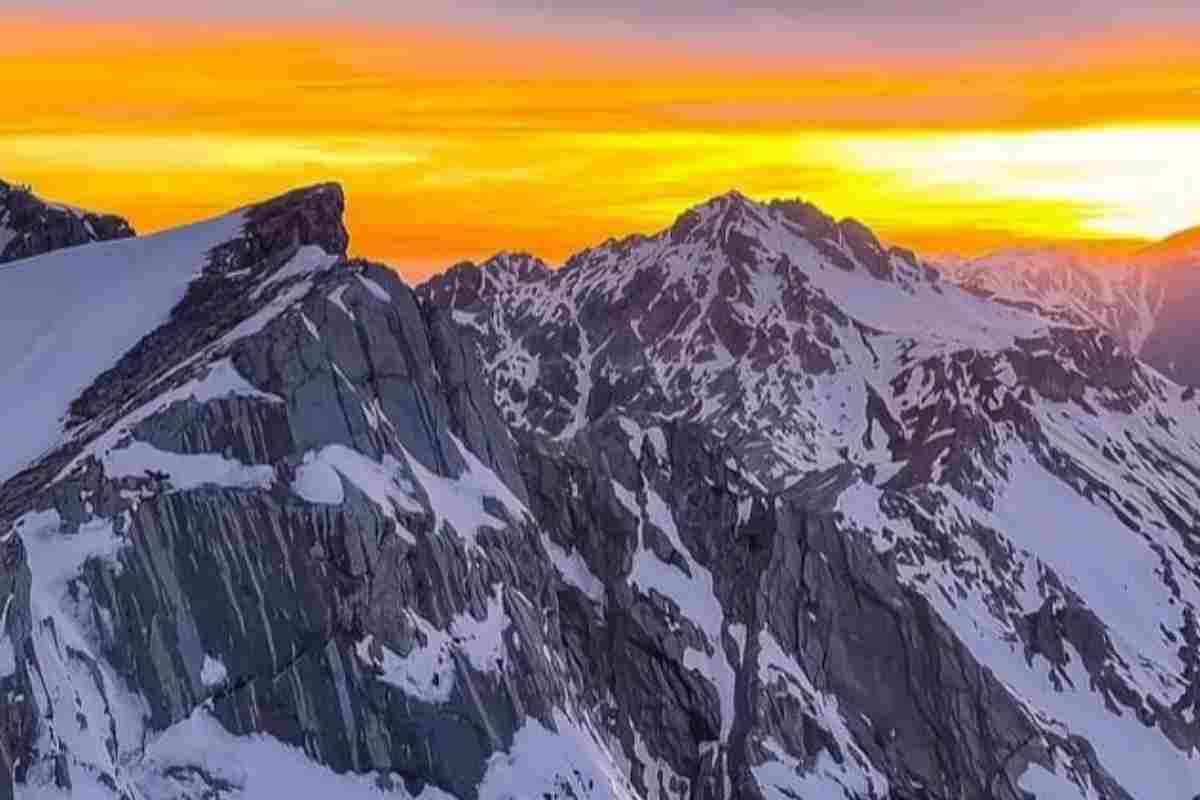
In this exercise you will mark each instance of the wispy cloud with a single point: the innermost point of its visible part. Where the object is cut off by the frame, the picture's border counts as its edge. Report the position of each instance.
(455, 141)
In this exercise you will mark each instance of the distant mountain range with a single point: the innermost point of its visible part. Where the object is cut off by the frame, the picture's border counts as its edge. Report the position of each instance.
(1148, 299)
(754, 507)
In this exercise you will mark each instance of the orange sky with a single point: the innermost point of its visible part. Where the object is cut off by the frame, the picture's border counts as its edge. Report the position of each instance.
(456, 142)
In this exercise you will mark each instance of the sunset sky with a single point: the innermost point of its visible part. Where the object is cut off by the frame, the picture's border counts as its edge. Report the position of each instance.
(474, 126)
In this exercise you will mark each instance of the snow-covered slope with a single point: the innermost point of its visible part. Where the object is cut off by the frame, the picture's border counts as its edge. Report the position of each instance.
(1108, 292)
(67, 316)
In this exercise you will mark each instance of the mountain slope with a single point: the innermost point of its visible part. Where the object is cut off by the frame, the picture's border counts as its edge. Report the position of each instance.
(1147, 299)
(30, 226)
(1107, 292)
(952, 436)
(61, 326)
(751, 508)
(275, 533)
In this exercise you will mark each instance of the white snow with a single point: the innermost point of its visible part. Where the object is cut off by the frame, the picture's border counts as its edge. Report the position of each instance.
(186, 472)
(213, 672)
(459, 501)
(64, 626)
(541, 762)
(784, 778)
(57, 556)
(219, 381)
(266, 314)
(575, 571)
(310, 327)
(1111, 292)
(223, 380)
(1104, 563)
(427, 671)
(408, 486)
(335, 297)
(693, 595)
(319, 480)
(1047, 785)
(483, 640)
(638, 435)
(1109, 566)
(67, 316)
(261, 767)
(778, 670)
(662, 782)
(307, 260)
(1139, 758)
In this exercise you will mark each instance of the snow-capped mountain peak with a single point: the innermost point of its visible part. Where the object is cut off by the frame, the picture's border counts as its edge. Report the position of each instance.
(733, 294)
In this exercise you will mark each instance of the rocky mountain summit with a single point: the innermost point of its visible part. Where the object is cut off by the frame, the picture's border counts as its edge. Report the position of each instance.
(30, 226)
(755, 507)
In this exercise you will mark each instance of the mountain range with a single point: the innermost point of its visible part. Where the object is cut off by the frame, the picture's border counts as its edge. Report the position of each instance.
(1147, 298)
(754, 507)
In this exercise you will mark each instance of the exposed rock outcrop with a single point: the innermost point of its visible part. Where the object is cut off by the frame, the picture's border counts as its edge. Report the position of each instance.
(30, 226)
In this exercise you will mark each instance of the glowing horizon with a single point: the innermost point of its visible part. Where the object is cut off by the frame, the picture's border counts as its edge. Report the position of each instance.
(456, 141)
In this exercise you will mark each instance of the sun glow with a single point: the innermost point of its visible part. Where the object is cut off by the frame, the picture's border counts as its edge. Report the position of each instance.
(1110, 182)
(450, 147)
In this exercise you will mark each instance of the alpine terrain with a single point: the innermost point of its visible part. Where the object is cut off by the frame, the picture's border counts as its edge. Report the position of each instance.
(1146, 299)
(755, 507)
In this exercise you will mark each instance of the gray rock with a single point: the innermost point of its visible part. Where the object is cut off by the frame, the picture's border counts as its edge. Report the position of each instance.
(30, 226)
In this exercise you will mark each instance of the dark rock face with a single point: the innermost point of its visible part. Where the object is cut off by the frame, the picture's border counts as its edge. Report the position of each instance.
(466, 284)
(819, 615)
(697, 516)
(30, 226)
(309, 216)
